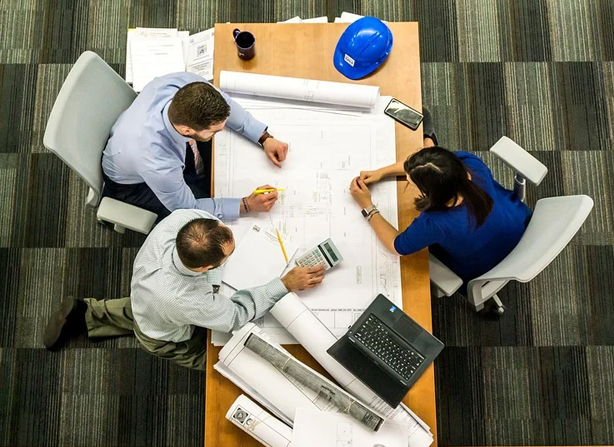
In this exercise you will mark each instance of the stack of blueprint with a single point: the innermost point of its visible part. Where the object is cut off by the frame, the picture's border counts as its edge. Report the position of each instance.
(346, 17)
(334, 130)
(283, 396)
(297, 19)
(153, 52)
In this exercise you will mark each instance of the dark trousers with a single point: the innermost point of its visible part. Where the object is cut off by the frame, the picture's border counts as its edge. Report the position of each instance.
(142, 196)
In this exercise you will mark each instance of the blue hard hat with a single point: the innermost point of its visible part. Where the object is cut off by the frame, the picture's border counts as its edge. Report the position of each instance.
(362, 47)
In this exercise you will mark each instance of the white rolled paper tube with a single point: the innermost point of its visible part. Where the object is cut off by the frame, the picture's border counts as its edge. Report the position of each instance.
(298, 89)
(316, 338)
(312, 334)
(258, 423)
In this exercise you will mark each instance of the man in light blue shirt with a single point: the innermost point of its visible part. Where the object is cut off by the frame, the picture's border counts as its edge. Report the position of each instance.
(158, 155)
(173, 294)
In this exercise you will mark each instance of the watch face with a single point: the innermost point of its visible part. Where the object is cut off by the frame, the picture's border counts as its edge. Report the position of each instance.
(364, 213)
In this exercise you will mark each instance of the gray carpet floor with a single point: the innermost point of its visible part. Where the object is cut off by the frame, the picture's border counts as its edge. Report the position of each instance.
(538, 71)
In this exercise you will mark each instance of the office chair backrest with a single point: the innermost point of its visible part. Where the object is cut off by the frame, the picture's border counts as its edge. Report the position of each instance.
(90, 101)
(555, 221)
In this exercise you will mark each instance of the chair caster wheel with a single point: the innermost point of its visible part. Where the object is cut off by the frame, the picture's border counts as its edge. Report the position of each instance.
(499, 310)
(104, 223)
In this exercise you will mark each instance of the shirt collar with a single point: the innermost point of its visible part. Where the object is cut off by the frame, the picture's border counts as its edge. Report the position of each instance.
(180, 267)
(172, 132)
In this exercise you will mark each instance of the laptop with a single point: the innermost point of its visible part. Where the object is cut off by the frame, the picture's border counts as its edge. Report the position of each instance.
(386, 350)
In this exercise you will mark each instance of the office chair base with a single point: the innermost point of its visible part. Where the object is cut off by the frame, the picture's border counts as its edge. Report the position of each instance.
(497, 306)
(494, 303)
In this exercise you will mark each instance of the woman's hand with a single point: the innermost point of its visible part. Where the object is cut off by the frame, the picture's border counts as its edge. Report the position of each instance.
(369, 177)
(360, 192)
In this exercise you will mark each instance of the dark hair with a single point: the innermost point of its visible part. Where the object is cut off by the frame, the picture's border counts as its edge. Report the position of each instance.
(441, 176)
(200, 243)
(198, 105)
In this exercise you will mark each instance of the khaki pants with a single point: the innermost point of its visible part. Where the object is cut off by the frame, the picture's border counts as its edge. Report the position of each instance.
(112, 318)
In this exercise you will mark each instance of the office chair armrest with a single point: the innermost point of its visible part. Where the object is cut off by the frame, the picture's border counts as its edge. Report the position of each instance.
(519, 160)
(124, 215)
(442, 277)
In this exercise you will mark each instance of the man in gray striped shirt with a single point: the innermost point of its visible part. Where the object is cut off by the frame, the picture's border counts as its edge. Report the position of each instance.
(173, 297)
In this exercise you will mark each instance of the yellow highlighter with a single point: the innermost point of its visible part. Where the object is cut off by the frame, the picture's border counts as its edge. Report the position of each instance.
(266, 191)
(281, 244)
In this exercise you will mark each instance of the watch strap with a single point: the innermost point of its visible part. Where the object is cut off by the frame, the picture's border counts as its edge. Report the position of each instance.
(265, 135)
(366, 212)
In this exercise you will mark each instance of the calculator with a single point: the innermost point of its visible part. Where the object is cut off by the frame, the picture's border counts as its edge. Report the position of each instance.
(325, 253)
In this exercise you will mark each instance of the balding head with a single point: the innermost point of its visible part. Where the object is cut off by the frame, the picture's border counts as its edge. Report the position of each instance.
(204, 243)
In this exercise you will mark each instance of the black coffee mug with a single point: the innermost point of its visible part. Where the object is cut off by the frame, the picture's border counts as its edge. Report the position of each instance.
(246, 44)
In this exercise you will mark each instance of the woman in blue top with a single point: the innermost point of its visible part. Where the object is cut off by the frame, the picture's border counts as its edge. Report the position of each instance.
(468, 220)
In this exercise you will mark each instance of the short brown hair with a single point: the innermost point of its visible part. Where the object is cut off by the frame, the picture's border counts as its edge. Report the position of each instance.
(198, 105)
(200, 243)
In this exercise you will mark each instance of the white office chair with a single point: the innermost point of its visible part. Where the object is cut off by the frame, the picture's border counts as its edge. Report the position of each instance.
(555, 221)
(90, 101)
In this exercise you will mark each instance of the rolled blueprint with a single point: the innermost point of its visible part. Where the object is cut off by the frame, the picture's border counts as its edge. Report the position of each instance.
(262, 381)
(309, 90)
(316, 338)
(258, 423)
(304, 375)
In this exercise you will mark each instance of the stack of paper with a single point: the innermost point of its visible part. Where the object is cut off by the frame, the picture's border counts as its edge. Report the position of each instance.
(284, 396)
(200, 54)
(316, 338)
(312, 427)
(348, 17)
(297, 19)
(153, 52)
(327, 148)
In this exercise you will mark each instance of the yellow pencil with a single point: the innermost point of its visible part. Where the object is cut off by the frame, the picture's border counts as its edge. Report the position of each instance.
(265, 191)
(281, 244)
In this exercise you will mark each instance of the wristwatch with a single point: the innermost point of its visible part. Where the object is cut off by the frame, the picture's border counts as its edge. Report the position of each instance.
(265, 135)
(366, 212)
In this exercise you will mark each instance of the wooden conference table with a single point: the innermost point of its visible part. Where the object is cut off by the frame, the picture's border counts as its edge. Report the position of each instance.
(306, 51)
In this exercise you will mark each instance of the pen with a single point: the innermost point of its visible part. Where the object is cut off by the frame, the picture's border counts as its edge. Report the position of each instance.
(266, 191)
(281, 244)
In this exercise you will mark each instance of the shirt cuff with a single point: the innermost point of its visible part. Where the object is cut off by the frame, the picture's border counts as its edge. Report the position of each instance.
(254, 129)
(276, 289)
(231, 208)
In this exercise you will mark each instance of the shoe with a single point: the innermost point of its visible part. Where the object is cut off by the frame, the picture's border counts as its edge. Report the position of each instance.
(69, 320)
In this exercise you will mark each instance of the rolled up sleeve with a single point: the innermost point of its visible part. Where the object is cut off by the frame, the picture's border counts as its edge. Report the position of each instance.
(243, 122)
(171, 189)
(228, 314)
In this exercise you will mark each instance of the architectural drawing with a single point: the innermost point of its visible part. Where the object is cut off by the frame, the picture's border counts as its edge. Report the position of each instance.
(326, 150)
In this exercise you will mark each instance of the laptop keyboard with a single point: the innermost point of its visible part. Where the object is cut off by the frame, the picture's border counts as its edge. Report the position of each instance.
(375, 336)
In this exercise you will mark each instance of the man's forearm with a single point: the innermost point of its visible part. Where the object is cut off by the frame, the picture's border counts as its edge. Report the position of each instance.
(223, 209)
(243, 122)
